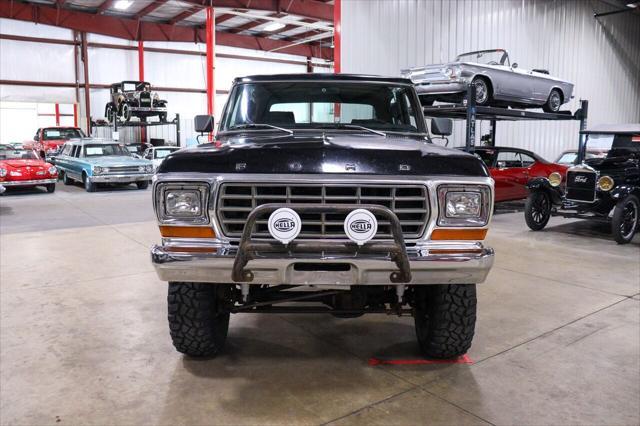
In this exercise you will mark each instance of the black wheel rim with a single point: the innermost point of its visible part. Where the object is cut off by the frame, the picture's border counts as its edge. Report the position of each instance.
(629, 220)
(540, 209)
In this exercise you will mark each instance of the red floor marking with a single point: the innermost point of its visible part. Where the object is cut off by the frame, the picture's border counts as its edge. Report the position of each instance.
(464, 359)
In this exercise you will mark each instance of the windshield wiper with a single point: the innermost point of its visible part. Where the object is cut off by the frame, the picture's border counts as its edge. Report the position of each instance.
(254, 125)
(355, 126)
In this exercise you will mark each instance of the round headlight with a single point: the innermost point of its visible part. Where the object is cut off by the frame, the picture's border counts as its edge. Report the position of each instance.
(53, 170)
(141, 169)
(150, 168)
(97, 170)
(448, 72)
(156, 96)
(3, 172)
(605, 183)
(555, 179)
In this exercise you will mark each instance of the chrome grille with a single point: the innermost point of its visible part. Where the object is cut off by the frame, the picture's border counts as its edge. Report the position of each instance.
(123, 169)
(237, 200)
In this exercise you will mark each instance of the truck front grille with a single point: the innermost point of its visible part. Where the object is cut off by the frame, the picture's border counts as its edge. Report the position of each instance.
(237, 200)
(581, 185)
(115, 170)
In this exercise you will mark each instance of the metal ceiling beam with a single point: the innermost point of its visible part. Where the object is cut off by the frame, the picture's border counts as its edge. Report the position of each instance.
(133, 29)
(150, 8)
(104, 6)
(307, 8)
(224, 18)
(183, 15)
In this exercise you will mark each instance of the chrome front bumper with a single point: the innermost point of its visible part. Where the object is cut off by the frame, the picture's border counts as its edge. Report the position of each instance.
(148, 109)
(29, 182)
(471, 267)
(121, 178)
(436, 87)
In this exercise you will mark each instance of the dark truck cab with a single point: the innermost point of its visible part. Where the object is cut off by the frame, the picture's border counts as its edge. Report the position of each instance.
(322, 193)
(605, 187)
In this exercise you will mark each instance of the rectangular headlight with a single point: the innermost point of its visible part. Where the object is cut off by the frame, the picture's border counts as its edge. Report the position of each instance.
(464, 205)
(182, 203)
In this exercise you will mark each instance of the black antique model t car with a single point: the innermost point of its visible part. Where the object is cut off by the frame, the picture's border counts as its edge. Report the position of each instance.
(606, 188)
(134, 99)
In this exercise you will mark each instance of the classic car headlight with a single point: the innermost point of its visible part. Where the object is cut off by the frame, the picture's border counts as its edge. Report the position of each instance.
(452, 72)
(605, 183)
(182, 203)
(464, 205)
(148, 168)
(3, 172)
(555, 179)
(97, 170)
(156, 97)
(53, 170)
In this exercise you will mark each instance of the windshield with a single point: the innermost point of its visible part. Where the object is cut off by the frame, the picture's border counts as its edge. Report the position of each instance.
(609, 145)
(487, 57)
(17, 154)
(161, 153)
(104, 149)
(314, 105)
(53, 134)
(486, 155)
(134, 86)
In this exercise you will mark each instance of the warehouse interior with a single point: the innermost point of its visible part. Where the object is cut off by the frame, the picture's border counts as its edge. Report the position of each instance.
(112, 308)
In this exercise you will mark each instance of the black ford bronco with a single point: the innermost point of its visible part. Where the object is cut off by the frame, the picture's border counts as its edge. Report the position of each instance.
(322, 193)
(604, 188)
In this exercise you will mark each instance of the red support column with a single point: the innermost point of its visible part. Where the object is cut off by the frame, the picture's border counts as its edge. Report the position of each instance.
(143, 130)
(210, 61)
(75, 115)
(57, 114)
(85, 64)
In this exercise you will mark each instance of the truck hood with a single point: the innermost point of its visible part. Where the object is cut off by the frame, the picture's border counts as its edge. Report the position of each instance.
(116, 160)
(330, 153)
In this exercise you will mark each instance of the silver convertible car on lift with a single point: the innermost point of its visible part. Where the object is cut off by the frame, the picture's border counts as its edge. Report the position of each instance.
(498, 82)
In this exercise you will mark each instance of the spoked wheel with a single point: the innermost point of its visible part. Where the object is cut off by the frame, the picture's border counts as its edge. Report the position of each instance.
(483, 93)
(110, 113)
(126, 112)
(553, 102)
(625, 219)
(537, 210)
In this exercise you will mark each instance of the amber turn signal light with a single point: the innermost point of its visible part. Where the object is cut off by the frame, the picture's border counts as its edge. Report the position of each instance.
(187, 232)
(459, 234)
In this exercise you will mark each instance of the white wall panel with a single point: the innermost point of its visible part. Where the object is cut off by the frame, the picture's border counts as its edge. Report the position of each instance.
(601, 57)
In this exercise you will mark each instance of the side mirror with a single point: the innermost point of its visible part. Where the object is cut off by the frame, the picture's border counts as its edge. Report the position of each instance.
(441, 126)
(502, 164)
(515, 65)
(203, 123)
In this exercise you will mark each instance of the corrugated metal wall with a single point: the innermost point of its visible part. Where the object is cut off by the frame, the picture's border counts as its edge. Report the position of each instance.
(600, 56)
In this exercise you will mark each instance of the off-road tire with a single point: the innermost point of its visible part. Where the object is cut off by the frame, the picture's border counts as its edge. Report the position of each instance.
(617, 221)
(445, 319)
(51, 187)
(537, 211)
(197, 326)
(142, 184)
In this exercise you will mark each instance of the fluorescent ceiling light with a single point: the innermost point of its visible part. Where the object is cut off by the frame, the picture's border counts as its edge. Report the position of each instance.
(274, 26)
(123, 4)
(632, 5)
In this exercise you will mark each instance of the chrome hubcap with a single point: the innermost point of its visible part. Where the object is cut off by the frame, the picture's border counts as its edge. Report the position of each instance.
(554, 101)
(481, 91)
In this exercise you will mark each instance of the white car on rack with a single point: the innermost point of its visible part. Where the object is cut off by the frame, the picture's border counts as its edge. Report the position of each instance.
(157, 154)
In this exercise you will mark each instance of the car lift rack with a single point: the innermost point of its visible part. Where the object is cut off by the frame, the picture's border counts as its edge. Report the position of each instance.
(472, 112)
(142, 135)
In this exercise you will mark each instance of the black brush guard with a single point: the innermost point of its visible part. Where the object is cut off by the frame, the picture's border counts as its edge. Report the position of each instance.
(248, 248)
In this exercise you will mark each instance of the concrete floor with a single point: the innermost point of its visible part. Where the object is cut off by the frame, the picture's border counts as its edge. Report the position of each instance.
(84, 336)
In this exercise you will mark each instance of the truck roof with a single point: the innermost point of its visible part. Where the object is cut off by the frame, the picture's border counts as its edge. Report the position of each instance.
(322, 77)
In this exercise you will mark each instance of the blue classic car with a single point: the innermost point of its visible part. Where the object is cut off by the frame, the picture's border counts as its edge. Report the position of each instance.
(94, 161)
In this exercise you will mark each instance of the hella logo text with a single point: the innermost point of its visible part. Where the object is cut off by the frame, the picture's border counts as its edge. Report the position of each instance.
(284, 224)
(360, 226)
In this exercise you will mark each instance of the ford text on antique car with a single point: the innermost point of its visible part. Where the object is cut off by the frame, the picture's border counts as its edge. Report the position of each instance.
(95, 161)
(134, 99)
(513, 168)
(48, 140)
(601, 188)
(323, 193)
(498, 82)
(24, 168)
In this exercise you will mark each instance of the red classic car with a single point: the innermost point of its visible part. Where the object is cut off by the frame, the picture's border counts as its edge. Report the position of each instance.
(23, 167)
(512, 168)
(48, 139)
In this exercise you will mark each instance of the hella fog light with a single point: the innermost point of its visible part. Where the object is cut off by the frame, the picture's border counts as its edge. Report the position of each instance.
(555, 179)
(605, 183)
(463, 204)
(183, 203)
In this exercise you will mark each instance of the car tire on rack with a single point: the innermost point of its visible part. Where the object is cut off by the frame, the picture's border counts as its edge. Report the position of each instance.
(554, 102)
(626, 219)
(197, 324)
(483, 91)
(445, 319)
(142, 184)
(537, 210)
